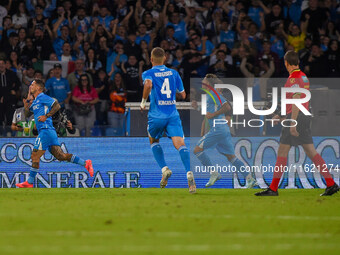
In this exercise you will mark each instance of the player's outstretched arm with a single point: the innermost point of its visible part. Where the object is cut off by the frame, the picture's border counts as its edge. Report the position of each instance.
(146, 93)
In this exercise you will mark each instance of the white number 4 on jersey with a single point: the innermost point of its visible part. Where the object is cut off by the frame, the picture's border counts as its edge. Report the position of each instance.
(166, 88)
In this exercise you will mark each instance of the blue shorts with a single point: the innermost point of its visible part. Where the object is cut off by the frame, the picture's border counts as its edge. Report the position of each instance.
(46, 139)
(172, 127)
(219, 138)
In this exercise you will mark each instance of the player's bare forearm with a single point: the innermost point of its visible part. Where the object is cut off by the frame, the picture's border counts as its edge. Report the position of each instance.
(147, 89)
(183, 95)
(56, 107)
(146, 93)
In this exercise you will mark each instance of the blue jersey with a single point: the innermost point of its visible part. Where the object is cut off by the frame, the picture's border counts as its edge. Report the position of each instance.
(166, 83)
(213, 107)
(58, 88)
(41, 106)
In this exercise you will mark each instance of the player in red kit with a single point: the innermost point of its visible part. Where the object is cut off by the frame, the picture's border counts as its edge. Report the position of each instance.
(300, 134)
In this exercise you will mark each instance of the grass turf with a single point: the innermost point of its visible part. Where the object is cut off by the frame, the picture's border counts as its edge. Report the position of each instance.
(154, 221)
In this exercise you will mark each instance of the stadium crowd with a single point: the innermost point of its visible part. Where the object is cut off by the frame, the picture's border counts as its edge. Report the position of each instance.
(108, 42)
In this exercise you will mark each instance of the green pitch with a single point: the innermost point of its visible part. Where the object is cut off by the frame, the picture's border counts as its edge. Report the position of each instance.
(169, 221)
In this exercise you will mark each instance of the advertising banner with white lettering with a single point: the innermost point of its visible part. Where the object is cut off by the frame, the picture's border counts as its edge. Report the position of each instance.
(129, 163)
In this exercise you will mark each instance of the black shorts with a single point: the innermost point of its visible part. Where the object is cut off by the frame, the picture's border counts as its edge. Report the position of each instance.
(304, 129)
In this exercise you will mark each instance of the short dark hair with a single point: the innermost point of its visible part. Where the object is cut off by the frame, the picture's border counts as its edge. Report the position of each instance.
(40, 83)
(292, 58)
(158, 53)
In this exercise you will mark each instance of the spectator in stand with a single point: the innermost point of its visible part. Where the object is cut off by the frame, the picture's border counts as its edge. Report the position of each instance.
(66, 56)
(297, 38)
(85, 97)
(47, 10)
(178, 24)
(60, 40)
(104, 16)
(119, 33)
(6, 29)
(270, 55)
(58, 87)
(131, 47)
(20, 18)
(118, 98)
(226, 35)
(12, 44)
(98, 31)
(317, 17)
(317, 65)
(22, 38)
(131, 78)
(115, 58)
(92, 64)
(63, 19)
(9, 94)
(203, 46)
(256, 8)
(333, 59)
(29, 53)
(38, 20)
(274, 18)
(81, 22)
(221, 68)
(102, 51)
(73, 78)
(142, 35)
(16, 65)
(102, 86)
(42, 44)
(221, 47)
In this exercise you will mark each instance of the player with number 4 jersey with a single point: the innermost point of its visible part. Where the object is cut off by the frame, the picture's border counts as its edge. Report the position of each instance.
(162, 84)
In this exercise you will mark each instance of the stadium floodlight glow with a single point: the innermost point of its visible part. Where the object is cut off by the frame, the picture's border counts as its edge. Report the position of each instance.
(238, 100)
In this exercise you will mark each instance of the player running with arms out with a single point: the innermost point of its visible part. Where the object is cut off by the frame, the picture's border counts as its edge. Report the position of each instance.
(162, 84)
(219, 134)
(298, 135)
(43, 108)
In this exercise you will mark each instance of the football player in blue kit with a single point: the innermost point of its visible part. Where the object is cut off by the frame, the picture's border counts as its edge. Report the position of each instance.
(43, 108)
(162, 84)
(219, 136)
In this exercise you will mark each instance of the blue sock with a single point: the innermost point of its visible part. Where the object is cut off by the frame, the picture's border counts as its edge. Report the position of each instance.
(32, 175)
(203, 158)
(185, 156)
(76, 160)
(158, 154)
(239, 166)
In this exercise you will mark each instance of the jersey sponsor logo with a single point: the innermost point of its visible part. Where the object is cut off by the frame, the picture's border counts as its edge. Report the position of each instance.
(35, 107)
(163, 74)
(304, 78)
(166, 102)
